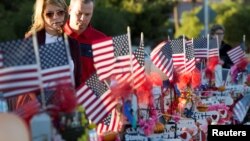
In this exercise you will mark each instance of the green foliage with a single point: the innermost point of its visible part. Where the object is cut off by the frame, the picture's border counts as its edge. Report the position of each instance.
(149, 17)
(232, 15)
(132, 6)
(15, 19)
(116, 4)
(153, 21)
(238, 25)
(190, 25)
(111, 24)
(111, 17)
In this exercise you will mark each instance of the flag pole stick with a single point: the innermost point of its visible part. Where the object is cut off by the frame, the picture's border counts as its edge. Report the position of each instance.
(208, 47)
(208, 43)
(201, 65)
(218, 45)
(244, 43)
(184, 50)
(147, 53)
(66, 41)
(169, 38)
(133, 96)
(107, 83)
(35, 44)
(130, 54)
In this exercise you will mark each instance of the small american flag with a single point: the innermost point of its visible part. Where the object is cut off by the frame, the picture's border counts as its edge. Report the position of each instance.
(96, 98)
(138, 66)
(241, 107)
(55, 66)
(236, 54)
(110, 123)
(104, 57)
(161, 57)
(200, 47)
(122, 54)
(111, 56)
(18, 68)
(178, 55)
(213, 48)
(190, 60)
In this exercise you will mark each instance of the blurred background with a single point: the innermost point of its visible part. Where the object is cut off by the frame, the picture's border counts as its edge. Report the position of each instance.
(157, 19)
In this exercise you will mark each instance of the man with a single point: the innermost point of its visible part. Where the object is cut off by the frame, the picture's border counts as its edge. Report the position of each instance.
(218, 30)
(78, 27)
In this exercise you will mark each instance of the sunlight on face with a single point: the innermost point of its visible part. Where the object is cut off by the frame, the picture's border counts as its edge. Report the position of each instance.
(80, 15)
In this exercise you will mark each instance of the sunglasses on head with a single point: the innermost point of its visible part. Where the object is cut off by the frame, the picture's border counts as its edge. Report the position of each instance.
(58, 13)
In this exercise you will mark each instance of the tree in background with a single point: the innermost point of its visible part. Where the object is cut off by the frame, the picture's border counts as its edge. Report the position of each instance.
(152, 17)
(111, 16)
(232, 15)
(15, 18)
(190, 24)
(148, 16)
(237, 25)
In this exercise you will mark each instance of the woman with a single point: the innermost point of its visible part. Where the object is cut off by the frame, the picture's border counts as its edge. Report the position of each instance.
(48, 20)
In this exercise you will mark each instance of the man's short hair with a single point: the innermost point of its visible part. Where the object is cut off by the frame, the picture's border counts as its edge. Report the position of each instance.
(215, 28)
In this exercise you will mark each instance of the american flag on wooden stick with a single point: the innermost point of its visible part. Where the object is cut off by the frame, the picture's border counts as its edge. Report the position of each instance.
(111, 123)
(161, 57)
(236, 54)
(213, 48)
(241, 107)
(18, 68)
(96, 98)
(138, 68)
(111, 56)
(122, 54)
(200, 47)
(178, 55)
(55, 66)
(190, 60)
(104, 57)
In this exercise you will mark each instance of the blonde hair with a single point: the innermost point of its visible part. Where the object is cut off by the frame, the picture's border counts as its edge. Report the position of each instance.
(37, 18)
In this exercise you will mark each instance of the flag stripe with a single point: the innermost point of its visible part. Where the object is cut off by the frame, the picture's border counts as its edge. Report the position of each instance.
(189, 54)
(113, 123)
(200, 47)
(103, 58)
(236, 54)
(111, 56)
(161, 57)
(96, 99)
(55, 66)
(137, 76)
(241, 107)
(213, 48)
(19, 70)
